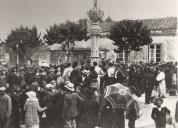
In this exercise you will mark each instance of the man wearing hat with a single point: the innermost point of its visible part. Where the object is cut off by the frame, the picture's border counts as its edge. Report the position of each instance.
(5, 108)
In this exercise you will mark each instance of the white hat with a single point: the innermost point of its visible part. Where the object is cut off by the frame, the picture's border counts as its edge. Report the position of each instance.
(49, 86)
(85, 71)
(70, 87)
(2, 88)
(31, 94)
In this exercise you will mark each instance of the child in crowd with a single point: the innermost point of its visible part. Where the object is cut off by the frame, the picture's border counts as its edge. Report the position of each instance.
(159, 113)
(70, 111)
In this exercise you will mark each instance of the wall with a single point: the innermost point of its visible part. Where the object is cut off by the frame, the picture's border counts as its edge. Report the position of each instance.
(168, 49)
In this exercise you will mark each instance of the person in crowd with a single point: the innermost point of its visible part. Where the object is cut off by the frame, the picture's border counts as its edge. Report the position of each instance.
(87, 65)
(75, 74)
(16, 117)
(89, 111)
(70, 111)
(46, 99)
(132, 113)
(13, 78)
(120, 75)
(84, 79)
(161, 83)
(118, 118)
(93, 78)
(176, 113)
(133, 77)
(67, 72)
(99, 72)
(3, 78)
(51, 75)
(149, 83)
(31, 109)
(159, 113)
(5, 108)
(22, 99)
(111, 73)
(57, 103)
(59, 78)
(21, 77)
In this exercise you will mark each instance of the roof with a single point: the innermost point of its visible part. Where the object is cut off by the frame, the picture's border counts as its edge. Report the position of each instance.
(161, 23)
(104, 44)
(153, 24)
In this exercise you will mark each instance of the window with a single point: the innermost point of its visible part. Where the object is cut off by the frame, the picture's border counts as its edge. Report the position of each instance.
(155, 53)
(122, 56)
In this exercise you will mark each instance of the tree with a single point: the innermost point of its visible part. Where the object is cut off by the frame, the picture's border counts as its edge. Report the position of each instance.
(23, 38)
(130, 35)
(66, 34)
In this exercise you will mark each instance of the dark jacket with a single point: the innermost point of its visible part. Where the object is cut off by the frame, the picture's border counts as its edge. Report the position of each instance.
(159, 116)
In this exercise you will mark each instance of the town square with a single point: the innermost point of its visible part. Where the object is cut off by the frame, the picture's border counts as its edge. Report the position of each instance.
(88, 64)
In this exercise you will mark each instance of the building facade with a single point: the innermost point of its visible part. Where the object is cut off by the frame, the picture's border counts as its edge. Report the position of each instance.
(164, 45)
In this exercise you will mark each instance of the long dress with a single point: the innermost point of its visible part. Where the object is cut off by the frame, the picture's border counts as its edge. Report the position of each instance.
(162, 85)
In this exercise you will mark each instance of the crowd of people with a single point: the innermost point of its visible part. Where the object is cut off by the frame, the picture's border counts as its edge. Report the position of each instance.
(68, 95)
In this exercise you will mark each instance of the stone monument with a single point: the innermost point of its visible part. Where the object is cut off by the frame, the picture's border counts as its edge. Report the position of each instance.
(95, 16)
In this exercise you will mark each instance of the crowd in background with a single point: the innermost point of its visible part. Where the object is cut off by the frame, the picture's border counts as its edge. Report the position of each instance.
(68, 95)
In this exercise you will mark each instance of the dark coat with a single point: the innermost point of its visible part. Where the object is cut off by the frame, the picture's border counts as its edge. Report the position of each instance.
(121, 76)
(89, 112)
(13, 79)
(160, 116)
(70, 105)
(149, 79)
(74, 76)
(132, 112)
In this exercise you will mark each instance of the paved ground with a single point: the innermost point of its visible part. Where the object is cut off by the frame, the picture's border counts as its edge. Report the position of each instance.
(145, 120)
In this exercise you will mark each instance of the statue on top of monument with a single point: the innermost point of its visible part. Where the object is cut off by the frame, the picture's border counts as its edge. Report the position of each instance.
(95, 14)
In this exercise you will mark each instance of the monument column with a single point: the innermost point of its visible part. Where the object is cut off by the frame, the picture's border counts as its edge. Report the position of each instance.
(95, 16)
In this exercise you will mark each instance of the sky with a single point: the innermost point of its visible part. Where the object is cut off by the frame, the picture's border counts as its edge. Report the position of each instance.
(43, 13)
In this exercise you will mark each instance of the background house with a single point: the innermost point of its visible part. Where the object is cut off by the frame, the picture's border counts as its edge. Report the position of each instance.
(163, 47)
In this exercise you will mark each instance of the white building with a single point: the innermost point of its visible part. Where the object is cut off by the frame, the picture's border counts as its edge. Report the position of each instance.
(164, 45)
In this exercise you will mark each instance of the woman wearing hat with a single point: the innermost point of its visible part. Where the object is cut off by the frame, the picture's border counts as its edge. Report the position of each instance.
(70, 111)
(32, 108)
(159, 113)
